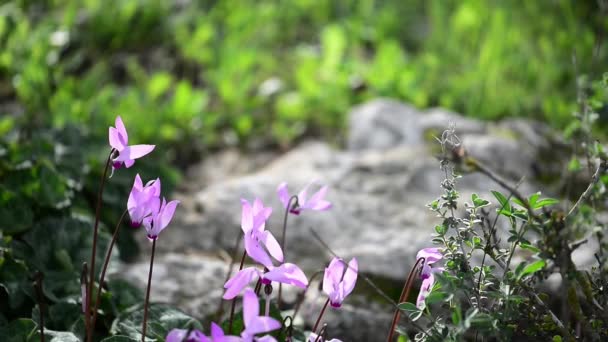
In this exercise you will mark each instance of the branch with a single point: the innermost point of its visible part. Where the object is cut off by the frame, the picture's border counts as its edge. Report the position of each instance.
(601, 168)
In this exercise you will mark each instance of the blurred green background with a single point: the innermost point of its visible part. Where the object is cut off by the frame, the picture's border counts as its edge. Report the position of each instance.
(198, 75)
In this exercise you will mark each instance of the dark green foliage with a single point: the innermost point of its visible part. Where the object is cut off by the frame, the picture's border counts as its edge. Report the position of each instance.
(161, 319)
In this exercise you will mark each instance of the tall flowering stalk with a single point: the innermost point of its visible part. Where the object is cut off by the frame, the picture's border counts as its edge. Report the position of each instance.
(338, 282)
(142, 203)
(155, 223)
(121, 154)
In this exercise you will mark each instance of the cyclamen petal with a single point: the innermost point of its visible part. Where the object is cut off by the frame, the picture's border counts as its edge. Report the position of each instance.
(289, 274)
(425, 290)
(251, 307)
(179, 335)
(272, 245)
(160, 218)
(122, 130)
(315, 202)
(430, 255)
(217, 335)
(338, 283)
(254, 217)
(116, 141)
(130, 153)
(239, 281)
(350, 276)
(124, 155)
(255, 324)
(283, 194)
(166, 213)
(143, 200)
(254, 248)
(262, 324)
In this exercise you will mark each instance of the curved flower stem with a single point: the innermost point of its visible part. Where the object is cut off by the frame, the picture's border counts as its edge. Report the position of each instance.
(303, 295)
(404, 295)
(105, 267)
(233, 306)
(293, 199)
(314, 329)
(87, 321)
(144, 324)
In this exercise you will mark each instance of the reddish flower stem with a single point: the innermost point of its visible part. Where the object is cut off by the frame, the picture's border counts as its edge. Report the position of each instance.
(404, 295)
(87, 321)
(145, 322)
(233, 306)
(283, 237)
(105, 267)
(314, 329)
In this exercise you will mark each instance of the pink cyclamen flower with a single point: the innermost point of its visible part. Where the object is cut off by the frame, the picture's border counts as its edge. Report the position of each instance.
(430, 255)
(255, 324)
(259, 244)
(338, 283)
(217, 335)
(159, 219)
(315, 202)
(119, 140)
(143, 200)
(286, 273)
(179, 335)
(254, 217)
(316, 338)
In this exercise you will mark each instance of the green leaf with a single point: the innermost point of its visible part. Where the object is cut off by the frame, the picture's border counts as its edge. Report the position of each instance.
(533, 198)
(545, 202)
(456, 315)
(56, 336)
(529, 247)
(14, 278)
(504, 207)
(411, 310)
(17, 216)
(436, 297)
(161, 319)
(532, 268)
(479, 202)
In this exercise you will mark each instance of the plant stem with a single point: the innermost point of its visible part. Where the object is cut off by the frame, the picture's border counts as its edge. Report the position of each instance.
(288, 207)
(314, 329)
(405, 292)
(233, 306)
(144, 324)
(40, 298)
(267, 305)
(88, 326)
(105, 267)
(601, 168)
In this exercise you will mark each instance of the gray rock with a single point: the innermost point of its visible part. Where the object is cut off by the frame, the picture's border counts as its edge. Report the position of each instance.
(194, 283)
(391, 122)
